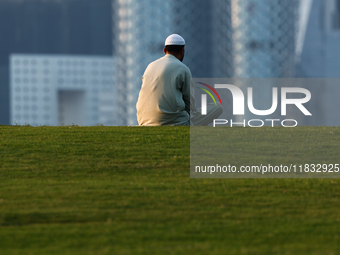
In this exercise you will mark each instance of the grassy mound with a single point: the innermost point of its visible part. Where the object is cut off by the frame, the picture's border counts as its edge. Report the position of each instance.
(127, 190)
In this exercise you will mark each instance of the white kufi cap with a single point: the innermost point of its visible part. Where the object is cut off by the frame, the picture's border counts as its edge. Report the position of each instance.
(174, 39)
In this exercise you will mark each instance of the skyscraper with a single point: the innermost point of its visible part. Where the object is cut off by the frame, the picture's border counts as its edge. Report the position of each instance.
(264, 33)
(264, 38)
(319, 57)
(140, 30)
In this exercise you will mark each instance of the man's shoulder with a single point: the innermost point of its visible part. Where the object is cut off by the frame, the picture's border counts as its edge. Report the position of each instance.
(184, 66)
(170, 61)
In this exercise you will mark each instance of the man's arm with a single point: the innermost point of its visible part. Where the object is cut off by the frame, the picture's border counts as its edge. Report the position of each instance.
(189, 94)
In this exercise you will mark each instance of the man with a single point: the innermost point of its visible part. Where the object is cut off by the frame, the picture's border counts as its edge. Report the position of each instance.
(167, 95)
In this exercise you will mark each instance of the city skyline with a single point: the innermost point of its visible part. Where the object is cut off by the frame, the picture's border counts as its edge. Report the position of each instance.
(236, 38)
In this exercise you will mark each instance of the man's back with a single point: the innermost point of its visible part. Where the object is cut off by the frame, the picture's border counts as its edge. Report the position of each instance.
(164, 98)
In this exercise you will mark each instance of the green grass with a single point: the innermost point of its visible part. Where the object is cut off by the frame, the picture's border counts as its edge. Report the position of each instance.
(127, 190)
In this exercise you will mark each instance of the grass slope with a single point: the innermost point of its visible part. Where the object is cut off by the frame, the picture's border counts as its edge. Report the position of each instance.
(126, 190)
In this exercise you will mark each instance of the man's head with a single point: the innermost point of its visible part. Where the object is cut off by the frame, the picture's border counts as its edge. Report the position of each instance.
(174, 45)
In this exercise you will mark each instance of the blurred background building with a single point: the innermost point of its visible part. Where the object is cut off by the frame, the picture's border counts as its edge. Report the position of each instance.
(62, 90)
(224, 38)
(264, 36)
(140, 28)
(318, 56)
(80, 27)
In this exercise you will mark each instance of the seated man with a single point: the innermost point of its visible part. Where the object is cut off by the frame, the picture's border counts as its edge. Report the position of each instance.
(167, 94)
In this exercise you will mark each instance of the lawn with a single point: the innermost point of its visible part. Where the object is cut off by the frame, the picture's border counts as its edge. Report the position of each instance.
(127, 190)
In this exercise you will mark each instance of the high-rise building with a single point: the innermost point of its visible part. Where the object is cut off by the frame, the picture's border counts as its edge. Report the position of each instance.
(319, 57)
(140, 30)
(206, 27)
(81, 27)
(320, 52)
(264, 34)
(62, 90)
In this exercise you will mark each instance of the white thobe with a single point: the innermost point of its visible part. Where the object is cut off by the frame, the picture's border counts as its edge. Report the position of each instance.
(167, 93)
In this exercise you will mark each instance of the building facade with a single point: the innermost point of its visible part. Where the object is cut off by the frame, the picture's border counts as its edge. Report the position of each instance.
(319, 60)
(264, 42)
(62, 90)
(80, 27)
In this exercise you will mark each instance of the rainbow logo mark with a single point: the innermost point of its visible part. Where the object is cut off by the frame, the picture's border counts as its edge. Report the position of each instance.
(204, 97)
